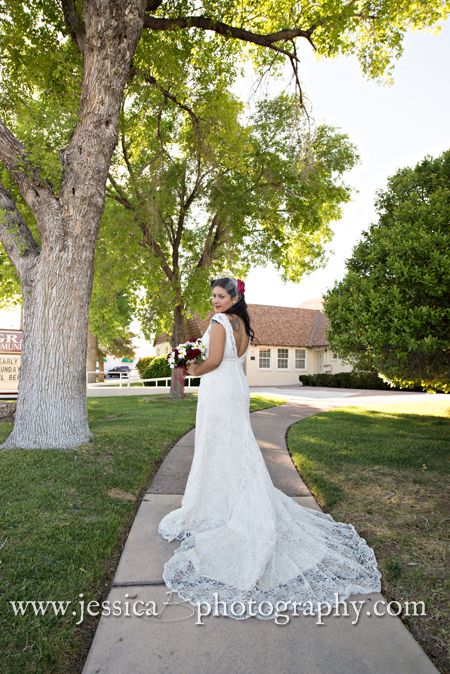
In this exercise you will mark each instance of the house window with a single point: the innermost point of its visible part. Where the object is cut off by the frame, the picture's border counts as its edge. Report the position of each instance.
(283, 358)
(333, 355)
(300, 359)
(264, 358)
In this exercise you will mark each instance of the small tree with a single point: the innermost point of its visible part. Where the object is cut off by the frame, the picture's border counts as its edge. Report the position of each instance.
(391, 311)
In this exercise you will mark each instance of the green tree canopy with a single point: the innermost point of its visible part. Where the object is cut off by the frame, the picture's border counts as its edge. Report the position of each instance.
(391, 311)
(207, 189)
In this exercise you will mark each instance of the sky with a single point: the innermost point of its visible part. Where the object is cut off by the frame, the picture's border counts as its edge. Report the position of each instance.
(391, 126)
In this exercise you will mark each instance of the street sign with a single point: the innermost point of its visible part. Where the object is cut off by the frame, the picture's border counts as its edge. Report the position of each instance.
(10, 357)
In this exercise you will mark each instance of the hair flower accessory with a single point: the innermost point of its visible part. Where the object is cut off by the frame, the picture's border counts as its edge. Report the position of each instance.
(240, 286)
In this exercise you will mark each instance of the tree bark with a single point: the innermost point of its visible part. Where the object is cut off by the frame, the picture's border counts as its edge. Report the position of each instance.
(177, 383)
(178, 336)
(91, 360)
(179, 327)
(57, 278)
(51, 406)
(101, 365)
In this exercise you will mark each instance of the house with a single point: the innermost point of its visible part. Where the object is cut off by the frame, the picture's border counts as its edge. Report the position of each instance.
(288, 341)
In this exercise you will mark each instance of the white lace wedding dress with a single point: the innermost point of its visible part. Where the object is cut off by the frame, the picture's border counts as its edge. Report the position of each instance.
(241, 537)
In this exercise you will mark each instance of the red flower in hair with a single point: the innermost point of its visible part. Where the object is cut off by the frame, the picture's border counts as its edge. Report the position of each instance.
(240, 286)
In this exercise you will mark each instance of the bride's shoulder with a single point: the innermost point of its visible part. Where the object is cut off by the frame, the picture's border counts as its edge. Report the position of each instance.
(219, 317)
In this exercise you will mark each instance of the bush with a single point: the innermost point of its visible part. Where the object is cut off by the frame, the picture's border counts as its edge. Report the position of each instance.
(306, 379)
(159, 367)
(355, 379)
(143, 364)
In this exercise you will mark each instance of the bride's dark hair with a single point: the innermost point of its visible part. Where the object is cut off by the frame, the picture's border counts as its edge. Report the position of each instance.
(240, 308)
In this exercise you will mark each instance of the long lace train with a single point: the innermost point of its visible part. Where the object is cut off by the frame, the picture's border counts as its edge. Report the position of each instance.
(242, 539)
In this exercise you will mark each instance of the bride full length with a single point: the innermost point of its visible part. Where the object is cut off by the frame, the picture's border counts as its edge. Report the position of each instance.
(243, 541)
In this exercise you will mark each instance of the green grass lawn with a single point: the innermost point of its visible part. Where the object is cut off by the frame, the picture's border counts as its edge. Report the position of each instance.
(65, 515)
(385, 469)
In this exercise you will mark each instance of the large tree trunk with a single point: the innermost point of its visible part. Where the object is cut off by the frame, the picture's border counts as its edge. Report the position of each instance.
(57, 279)
(51, 406)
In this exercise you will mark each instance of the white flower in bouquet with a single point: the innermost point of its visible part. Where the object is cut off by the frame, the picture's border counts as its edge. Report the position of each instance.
(186, 353)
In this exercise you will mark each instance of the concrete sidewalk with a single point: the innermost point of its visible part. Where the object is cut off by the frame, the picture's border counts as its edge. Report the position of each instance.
(177, 641)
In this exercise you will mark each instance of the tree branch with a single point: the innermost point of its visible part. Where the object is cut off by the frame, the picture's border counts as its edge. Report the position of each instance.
(211, 243)
(36, 193)
(74, 23)
(196, 126)
(195, 122)
(151, 242)
(126, 156)
(148, 239)
(268, 40)
(120, 197)
(159, 134)
(15, 235)
(152, 5)
(207, 23)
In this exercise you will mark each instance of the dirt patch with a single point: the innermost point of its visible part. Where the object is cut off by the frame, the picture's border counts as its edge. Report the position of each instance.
(123, 495)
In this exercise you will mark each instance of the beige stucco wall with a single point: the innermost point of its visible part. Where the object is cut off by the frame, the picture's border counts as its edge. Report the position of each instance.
(162, 349)
(334, 365)
(273, 375)
(316, 360)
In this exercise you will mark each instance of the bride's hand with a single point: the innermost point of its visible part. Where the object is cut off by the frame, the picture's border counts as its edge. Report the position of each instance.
(191, 369)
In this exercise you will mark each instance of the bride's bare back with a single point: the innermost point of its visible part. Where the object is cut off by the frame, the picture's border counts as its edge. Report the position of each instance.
(240, 335)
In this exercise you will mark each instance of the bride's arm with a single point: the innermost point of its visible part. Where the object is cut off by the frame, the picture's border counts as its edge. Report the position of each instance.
(215, 350)
(204, 367)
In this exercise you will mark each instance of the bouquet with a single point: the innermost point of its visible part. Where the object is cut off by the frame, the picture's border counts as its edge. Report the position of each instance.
(186, 353)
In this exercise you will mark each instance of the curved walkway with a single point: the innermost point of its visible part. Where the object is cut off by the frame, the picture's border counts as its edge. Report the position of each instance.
(177, 640)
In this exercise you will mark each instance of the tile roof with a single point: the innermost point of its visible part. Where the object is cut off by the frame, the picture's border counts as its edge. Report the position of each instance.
(272, 325)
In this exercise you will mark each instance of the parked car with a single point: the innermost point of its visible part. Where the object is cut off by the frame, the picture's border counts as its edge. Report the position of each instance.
(119, 372)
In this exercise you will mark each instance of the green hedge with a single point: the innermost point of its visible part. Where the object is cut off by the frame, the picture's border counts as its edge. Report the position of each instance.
(159, 367)
(143, 364)
(354, 379)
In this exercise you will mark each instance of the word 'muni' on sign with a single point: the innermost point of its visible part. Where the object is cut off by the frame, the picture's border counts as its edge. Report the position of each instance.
(10, 356)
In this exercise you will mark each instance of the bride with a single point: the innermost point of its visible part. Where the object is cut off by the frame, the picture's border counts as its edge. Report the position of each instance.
(243, 541)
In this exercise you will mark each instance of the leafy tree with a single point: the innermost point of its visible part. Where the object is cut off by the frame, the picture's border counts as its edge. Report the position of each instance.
(209, 191)
(391, 311)
(55, 54)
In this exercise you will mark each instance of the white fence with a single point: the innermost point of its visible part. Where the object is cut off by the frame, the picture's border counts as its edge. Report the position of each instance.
(126, 380)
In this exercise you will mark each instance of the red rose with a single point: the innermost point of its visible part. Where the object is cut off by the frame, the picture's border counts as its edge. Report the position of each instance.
(240, 286)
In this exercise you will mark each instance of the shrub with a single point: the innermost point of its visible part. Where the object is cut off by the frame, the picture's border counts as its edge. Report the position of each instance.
(159, 367)
(355, 379)
(143, 363)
